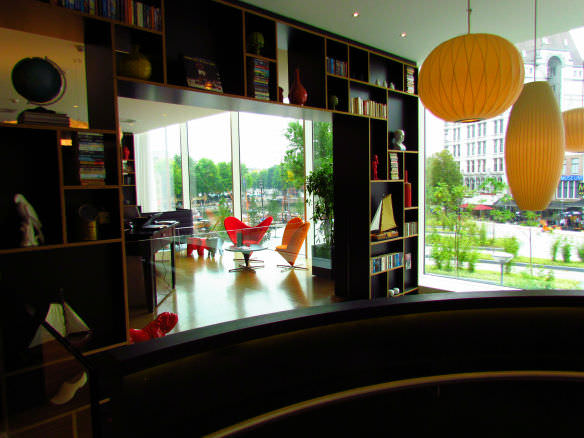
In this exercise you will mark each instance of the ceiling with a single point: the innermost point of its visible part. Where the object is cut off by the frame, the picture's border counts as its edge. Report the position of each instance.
(428, 22)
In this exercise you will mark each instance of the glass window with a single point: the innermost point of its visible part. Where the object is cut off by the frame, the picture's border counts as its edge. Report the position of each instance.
(210, 170)
(450, 247)
(575, 166)
(158, 167)
(322, 151)
(272, 168)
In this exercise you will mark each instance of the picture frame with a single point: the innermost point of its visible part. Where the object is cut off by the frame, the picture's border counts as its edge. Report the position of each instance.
(202, 73)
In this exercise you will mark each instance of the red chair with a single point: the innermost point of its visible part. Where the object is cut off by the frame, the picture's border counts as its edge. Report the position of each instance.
(249, 235)
(294, 235)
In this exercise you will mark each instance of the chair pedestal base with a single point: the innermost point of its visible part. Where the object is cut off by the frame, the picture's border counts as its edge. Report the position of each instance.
(293, 267)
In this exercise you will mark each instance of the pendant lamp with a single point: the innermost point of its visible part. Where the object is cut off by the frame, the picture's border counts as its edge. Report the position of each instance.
(471, 77)
(574, 126)
(534, 144)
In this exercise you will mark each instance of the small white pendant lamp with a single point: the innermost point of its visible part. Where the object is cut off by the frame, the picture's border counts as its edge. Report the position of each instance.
(471, 77)
(534, 144)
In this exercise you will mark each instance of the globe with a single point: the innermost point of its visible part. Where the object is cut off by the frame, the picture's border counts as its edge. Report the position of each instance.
(38, 80)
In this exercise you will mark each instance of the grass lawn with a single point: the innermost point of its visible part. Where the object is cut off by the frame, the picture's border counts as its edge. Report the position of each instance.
(536, 261)
(513, 279)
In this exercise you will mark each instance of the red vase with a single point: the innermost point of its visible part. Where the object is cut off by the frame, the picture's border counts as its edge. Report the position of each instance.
(298, 94)
(126, 153)
(407, 192)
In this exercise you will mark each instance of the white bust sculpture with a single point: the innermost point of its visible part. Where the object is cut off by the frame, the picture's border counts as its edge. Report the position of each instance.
(399, 140)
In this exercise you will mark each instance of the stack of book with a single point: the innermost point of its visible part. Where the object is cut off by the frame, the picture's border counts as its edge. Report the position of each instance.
(410, 80)
(43, 118)
(410, 229)
(129, 11)
(393, 166)
(259, 79)
(91, 159)
(336, 67)
(368, 108)
(386, 262)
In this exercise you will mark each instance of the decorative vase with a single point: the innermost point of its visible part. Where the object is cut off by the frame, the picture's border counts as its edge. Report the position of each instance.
(126, 153)
(298, 94)
(407, 192)
(135, 65)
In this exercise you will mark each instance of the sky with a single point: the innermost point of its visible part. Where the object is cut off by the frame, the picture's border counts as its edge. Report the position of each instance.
(262, 141)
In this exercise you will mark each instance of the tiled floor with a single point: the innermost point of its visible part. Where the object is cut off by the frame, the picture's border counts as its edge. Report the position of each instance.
(207, 293)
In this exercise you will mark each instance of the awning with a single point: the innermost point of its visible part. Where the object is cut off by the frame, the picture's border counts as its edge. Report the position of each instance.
(479, 207)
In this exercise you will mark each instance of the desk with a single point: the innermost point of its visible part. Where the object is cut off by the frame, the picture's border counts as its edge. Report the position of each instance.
(145, 242)
(246, 251)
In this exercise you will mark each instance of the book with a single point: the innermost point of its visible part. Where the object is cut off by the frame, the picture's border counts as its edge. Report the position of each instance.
(202, 73)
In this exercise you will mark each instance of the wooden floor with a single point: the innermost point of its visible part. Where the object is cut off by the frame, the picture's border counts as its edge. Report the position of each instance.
(207, 293)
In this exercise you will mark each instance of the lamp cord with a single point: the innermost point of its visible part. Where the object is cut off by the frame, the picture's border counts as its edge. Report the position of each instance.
(534, 39)
(468, 11)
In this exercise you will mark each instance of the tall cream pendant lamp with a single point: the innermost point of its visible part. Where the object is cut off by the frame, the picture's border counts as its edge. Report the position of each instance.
(471, 77)
(534, 144)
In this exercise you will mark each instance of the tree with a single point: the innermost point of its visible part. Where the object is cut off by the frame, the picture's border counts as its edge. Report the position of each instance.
(492, 185)
(322, 143)
(206, 177)
(294, 158)
(225, 174)
(442, 168)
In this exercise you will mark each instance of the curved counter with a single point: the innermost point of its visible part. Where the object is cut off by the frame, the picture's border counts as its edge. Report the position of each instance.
(359, 366)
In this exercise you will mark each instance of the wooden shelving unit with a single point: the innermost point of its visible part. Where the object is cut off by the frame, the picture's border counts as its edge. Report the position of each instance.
(90, 266)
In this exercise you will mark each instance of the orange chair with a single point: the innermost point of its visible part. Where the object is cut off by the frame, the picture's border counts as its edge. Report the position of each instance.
(292, 240)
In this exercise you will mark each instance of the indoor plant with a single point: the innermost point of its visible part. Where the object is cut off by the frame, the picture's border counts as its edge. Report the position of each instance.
(319, 184)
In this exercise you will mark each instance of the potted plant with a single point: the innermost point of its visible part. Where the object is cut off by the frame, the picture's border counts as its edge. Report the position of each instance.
(319, 185)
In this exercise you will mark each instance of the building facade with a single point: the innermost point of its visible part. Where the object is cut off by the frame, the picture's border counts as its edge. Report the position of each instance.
(479, 147)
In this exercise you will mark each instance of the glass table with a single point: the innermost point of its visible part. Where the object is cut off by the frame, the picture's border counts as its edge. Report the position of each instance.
(246, 250)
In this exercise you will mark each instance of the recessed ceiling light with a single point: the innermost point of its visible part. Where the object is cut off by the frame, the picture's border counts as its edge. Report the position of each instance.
(403, 34)
(355, 14)
(75, 106)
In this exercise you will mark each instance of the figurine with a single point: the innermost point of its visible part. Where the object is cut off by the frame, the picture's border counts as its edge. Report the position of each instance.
(399, 140)
(30, 224)
(374, 165)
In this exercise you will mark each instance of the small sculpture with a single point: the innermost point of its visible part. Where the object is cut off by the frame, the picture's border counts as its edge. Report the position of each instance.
(30, 224)
(399, 140)
(333, 102)
(374, 165)
(255, 43)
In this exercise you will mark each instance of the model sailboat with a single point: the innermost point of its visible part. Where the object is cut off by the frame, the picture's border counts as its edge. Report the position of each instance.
(383, 224)
(65, 321)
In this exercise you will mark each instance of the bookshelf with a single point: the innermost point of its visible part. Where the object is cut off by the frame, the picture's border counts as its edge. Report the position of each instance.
(84, 251)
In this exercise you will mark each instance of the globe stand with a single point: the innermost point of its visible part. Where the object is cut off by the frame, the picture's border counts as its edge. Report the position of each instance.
(41, 82)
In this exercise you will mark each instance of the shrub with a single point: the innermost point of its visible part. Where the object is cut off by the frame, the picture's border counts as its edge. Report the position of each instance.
(566, 251)
(554, 249)
(581, 252)
(483, 235)
(510, 245)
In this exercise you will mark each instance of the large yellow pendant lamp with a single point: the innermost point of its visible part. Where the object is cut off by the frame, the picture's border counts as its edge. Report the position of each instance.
(534, 145)
(471, 77)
